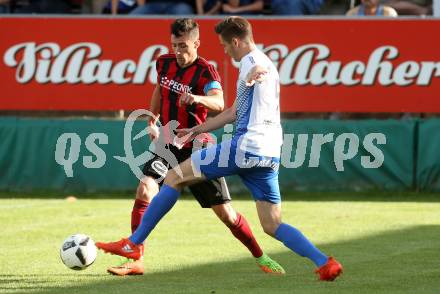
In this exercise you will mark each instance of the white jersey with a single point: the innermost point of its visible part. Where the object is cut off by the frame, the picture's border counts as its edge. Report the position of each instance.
(258, 127)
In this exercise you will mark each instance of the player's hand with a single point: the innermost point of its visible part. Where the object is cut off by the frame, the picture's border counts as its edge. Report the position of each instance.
(188, 99)
(153, 129)
(183, 136)
(256, 74)
(184, 132)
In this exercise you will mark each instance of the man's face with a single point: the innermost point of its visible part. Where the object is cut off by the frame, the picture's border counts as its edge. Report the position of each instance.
(230, 48)
(185, 48)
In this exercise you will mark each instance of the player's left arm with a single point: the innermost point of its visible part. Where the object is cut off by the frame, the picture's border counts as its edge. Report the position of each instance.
(213, 100)
(212, 88)
(256, 74)
(225, 117)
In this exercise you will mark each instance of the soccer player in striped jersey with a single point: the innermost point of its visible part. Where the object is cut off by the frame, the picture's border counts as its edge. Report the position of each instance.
(187, 88)
(253, 153)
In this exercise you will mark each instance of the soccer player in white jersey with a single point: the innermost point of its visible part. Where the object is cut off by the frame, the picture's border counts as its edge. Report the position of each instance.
(252, 154)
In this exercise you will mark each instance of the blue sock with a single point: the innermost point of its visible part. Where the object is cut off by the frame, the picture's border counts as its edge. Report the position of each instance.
(159, 206)
(297, 242)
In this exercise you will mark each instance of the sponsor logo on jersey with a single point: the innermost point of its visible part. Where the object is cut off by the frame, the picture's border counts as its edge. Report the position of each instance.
(174, 86)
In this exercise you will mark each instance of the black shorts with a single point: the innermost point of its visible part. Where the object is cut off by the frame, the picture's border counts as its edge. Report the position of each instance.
(207, 193)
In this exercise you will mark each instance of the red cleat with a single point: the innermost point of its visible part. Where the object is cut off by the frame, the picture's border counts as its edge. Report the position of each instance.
(329, 271)
(123, 247)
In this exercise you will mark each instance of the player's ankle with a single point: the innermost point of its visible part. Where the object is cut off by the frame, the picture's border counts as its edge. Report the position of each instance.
(263, 256)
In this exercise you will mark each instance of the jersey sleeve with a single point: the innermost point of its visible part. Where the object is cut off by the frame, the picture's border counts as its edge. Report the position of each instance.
(246, 64)
(210, 79)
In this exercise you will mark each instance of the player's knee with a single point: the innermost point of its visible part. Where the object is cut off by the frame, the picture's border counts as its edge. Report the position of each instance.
(172, 179)
(226, 214)
(147, 189)
(270, 228)
(227, 219)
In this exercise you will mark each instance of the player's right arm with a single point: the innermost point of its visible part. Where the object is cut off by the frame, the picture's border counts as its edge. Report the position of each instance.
(227, 116)
(155, 110)
(218, 121)
(155, 101)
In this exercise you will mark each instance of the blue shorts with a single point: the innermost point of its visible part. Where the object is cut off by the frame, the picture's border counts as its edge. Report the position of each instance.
(258, 173)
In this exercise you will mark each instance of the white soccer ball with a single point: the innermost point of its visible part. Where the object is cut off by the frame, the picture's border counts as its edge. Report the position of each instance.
(78, 251)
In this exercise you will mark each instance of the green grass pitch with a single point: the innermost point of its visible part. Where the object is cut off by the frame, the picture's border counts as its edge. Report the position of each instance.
(387, 243)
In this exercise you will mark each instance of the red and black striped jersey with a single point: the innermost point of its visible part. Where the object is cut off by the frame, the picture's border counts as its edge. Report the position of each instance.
(174, 81)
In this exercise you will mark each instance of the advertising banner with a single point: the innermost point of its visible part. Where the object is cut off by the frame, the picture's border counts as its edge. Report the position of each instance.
(325, 65)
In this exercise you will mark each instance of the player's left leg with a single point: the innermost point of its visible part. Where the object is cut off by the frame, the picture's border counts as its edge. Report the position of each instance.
(239, 227)
(263, 184)
(270, 219)
(177, 178)
(214, 194)
(241, 230)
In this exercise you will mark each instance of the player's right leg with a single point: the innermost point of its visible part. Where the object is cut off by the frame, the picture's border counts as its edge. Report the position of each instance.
(154, 171)
(146, 190)
(177, 178)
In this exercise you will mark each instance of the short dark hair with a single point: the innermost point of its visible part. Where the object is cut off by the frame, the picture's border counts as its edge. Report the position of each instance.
(182, 26)
(234, 27)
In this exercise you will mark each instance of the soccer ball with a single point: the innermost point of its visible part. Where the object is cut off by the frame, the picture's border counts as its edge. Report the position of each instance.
(78, 252)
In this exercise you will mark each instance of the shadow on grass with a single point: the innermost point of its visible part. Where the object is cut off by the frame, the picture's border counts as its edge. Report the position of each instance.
(374, 196)
(402, 261)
